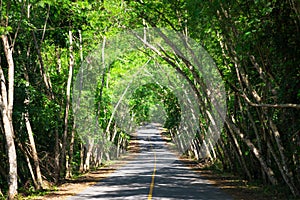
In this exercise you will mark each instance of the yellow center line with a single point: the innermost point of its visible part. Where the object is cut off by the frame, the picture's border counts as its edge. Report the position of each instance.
(153, 177)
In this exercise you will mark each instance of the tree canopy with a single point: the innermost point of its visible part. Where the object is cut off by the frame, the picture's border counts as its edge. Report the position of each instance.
(46, 49)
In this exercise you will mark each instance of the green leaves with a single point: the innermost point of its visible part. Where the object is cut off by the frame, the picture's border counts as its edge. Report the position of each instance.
(259, 38)
(5, 30)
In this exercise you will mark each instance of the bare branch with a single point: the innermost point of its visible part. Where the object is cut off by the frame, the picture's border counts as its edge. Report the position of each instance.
(286, 105)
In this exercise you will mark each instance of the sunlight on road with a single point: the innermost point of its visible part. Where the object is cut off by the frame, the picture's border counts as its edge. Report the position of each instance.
(155, 173)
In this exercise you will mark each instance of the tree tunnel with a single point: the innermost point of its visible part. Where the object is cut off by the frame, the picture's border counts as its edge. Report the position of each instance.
(154, 103)
(131, 77)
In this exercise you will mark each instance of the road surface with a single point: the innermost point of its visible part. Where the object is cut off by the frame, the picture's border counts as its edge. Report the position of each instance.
(155, 173)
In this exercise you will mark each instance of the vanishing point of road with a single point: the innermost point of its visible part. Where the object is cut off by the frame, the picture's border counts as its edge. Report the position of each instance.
(155, 173)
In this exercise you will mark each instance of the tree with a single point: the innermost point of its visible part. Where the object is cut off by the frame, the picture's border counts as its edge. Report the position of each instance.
(7, 99)
(255, 45)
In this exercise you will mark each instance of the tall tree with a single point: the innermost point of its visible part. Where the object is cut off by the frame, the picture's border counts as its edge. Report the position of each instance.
(7, 100)
(68, 104)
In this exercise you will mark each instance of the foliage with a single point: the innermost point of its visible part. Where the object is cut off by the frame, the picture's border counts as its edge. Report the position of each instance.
(255, 45)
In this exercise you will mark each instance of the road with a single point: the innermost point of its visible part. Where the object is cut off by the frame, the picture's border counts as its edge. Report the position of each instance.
(155, 173)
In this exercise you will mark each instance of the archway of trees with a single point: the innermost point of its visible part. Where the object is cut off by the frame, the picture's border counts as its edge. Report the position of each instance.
(154, 103)
(255, 46)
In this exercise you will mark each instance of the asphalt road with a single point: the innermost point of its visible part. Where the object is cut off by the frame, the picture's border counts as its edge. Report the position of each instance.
(155, 173)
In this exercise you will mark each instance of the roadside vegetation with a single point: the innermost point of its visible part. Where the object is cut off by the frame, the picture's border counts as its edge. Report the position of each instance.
(255, 45)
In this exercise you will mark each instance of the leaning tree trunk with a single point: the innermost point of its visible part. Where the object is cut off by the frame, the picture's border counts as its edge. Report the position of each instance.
(38, 181)
(255, 151)
(35, 157)
(30, 168)
(6, 111)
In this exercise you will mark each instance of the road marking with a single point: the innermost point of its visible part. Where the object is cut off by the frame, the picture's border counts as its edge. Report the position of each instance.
(153, 177)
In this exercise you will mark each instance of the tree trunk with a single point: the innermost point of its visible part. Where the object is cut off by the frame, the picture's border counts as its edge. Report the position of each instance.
(90, 145)
(226, 155)
(46, 79)
(57, 155)
(254, 150)
(6, 111)
(82, 147)
(71, 152)
(68, 94)
(12, 157)
(81, 167)
(35, 157)
(28, 164)
(50, 94)
(39, 180)
(118, 146)
(286, 175)
(239, 154)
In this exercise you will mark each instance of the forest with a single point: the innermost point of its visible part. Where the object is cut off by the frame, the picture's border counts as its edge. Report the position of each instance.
(46, 48)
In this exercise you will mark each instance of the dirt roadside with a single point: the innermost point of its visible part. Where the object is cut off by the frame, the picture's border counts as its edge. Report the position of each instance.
(71, 187)
(228, 183)
(237, 188)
